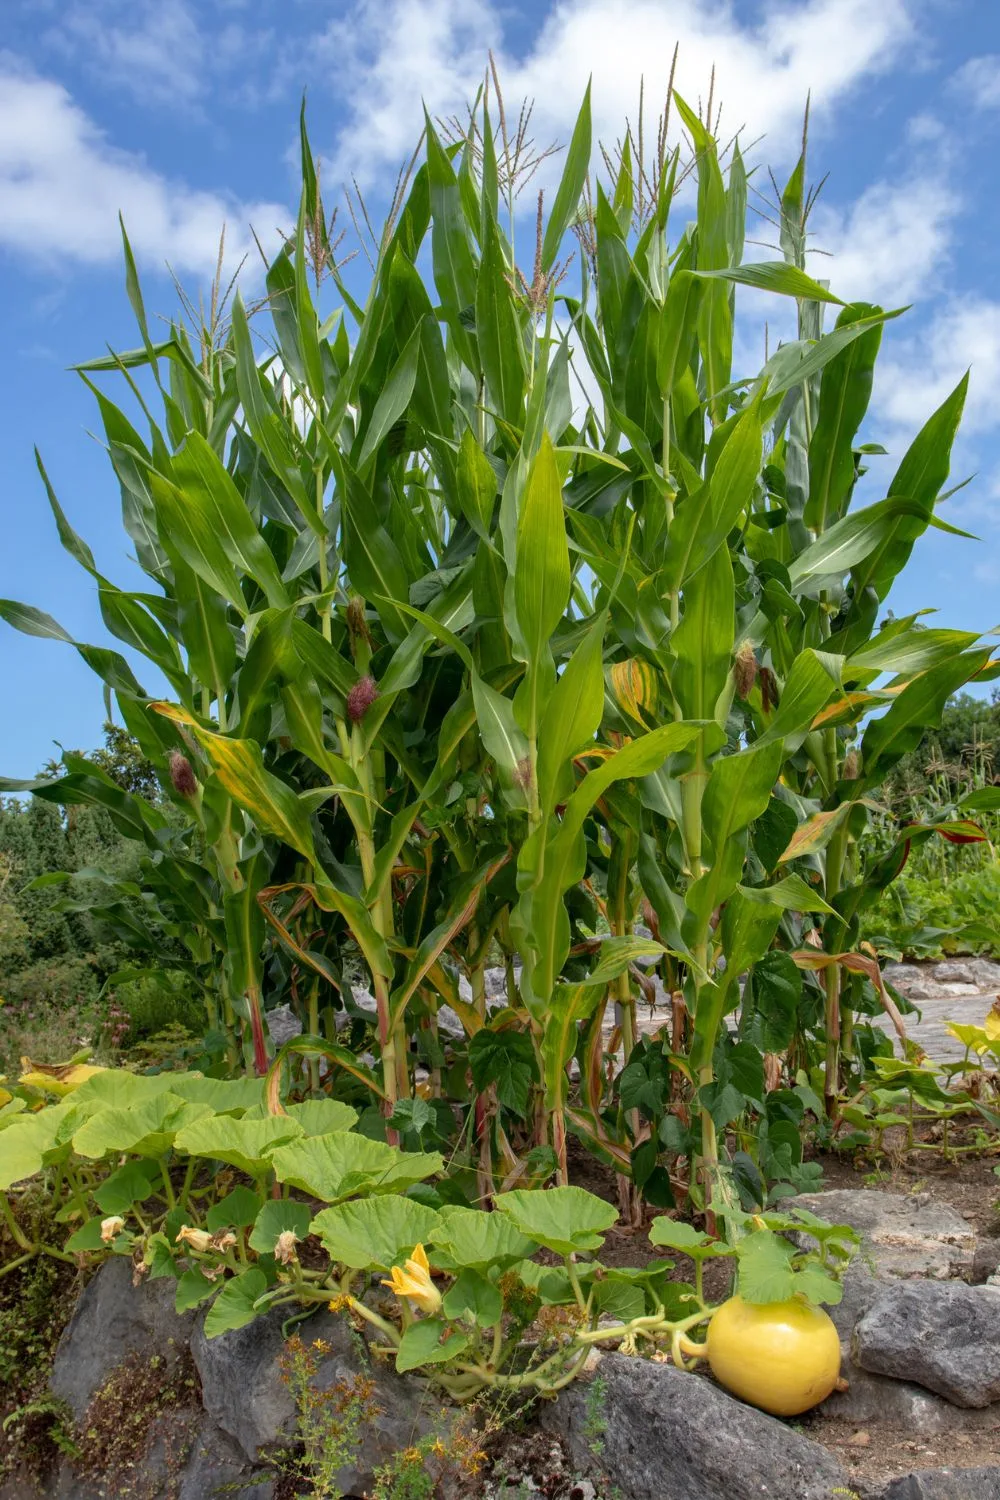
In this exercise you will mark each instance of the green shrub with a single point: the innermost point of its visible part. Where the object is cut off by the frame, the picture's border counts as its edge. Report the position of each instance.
(151, 1004)
(58, 984)
(927, 915)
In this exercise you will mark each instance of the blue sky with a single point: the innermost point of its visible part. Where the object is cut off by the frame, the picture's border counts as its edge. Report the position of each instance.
(183, 114)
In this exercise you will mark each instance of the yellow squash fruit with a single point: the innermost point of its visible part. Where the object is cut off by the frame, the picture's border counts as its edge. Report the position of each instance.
(781, 1356)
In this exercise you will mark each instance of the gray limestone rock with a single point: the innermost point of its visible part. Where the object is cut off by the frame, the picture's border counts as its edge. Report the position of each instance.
(985, 972)
(913, 981)
(879, 1398)
(663, 1434)
(243, 1392)
(946, 1484)
(957, 974)
(903, 1234)
(282, 1024)
(943, 1336)
(112, 1319)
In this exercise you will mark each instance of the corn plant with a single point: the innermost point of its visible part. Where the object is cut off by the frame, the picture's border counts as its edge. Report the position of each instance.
(463, 666)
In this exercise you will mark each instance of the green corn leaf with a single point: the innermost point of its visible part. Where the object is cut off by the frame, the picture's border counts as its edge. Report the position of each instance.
(269, 432)
(574, 711)
(453, 262)
(31, 621)
(794, 363)
(791, 893)
(617, 953)
(212, 502)
(239, 765)
(567, 1006)
(919, 480)
(542, 577)
(394, 398)
(567, 199)
(774, 276)
(917, 709)
(704, 520)
(677, 329)
(564, 859)
(814, 678)
(703, 641)
(477, 484)
(738, 790)
(498, 332)
(844, 395)
(503, 739)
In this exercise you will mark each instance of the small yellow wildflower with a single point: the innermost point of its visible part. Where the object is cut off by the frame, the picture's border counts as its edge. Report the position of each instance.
(414, 1281)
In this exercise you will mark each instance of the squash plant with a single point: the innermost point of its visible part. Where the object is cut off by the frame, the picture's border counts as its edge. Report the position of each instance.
(462, 670)
(216, 1184)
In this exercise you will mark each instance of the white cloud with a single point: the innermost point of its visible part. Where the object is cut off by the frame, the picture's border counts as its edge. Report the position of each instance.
(154, 50)
(978, 81)
(62, 185)
(914, 375)
(166, 53)
(888, 245)
(393, 55)
(917, 371)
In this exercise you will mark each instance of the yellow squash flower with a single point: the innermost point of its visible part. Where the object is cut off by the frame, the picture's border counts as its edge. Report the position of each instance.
(414, 1281)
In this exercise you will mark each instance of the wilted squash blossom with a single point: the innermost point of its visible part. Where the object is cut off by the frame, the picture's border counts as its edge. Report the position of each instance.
(414, 1281)
(195, 1239)
(111, 1228)
(284, 1246)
